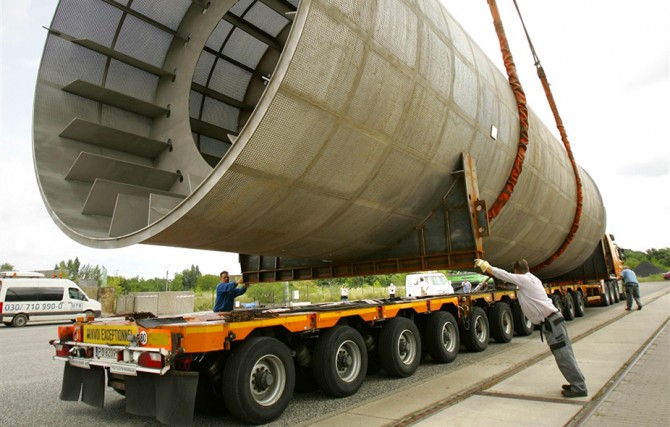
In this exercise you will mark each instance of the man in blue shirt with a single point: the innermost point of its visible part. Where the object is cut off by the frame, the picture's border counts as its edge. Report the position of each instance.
(226, 291)
(632, 288)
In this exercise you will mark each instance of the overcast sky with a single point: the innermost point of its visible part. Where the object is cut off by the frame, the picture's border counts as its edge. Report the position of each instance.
(607, 62)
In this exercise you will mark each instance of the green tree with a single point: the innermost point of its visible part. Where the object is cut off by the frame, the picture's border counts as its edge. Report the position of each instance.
(270, 293)
(207, 283)
(190, 277)
(89, 272)
(6, 266)
(116, 282)
(69, 269)
(634, 258)
(177, 282)
(659, 257)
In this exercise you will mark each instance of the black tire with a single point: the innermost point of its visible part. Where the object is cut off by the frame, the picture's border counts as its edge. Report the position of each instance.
(209, 393)
(476, 337)
(617, 293)
(340, 361)
(579, 303)
(605, 296)
(502, 322)
(400, 347)
(614, 294)
(558, 302)
(19, 320)
(568, 306)
(441, 338)
(258, 380)
(522, 326)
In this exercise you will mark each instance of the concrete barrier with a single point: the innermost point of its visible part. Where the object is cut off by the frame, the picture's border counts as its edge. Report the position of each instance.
(156, 302)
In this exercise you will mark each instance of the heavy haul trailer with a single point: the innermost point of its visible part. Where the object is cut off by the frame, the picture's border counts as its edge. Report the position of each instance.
(331, 139)
(251, 360)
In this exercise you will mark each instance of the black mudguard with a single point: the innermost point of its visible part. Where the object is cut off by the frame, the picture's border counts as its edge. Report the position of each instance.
(89, 383)
(170, 397)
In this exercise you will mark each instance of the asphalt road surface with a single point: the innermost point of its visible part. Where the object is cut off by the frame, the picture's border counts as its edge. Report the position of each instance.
(30, 383)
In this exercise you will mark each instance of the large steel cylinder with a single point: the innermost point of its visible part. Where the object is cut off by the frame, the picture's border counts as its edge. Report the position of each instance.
(324, 129)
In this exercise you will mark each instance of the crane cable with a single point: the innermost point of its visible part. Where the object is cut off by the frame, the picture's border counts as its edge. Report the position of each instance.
(520, 96)
(566, 143)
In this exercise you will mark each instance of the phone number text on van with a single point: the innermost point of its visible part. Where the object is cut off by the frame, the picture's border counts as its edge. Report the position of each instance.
(33, 306)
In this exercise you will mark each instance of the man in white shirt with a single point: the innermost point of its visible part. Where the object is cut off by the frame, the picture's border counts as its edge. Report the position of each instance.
(539, 309)
(344, 294)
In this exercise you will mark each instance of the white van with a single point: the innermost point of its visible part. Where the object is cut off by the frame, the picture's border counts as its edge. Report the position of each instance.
(427, 283)
(37, 298)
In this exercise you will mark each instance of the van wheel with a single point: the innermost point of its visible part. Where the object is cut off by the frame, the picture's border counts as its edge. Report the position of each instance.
(400, 347)
(522, 325)
(579, 303)
(569, 306)
(441, 337)
(19, 320)
(476, 338)
(340, 361)
(502, 324)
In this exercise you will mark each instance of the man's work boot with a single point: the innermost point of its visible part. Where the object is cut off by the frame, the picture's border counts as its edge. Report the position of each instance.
(572, 393)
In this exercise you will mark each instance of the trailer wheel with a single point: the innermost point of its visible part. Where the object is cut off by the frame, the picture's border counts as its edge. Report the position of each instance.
(400, 347)
(613, 293)
(558, 302)
(476, 337)
(209, 398)
(340, 361)
(522, 325)
(19, 320)
(605, 295)
(258, 380)
(441, 337)
(568, 306)
(579, 303)
(502, 323)
(622, 295)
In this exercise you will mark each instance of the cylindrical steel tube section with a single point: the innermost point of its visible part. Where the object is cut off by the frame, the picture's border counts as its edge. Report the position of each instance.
(323, 129)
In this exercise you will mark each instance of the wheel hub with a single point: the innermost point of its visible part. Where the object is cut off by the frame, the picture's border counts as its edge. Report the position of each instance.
(344, 360)
(263, 379)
